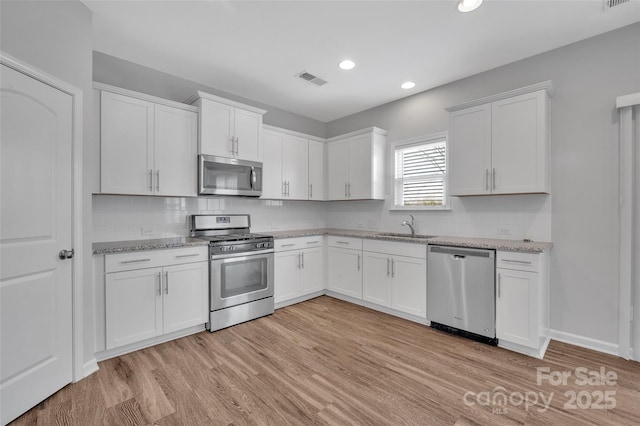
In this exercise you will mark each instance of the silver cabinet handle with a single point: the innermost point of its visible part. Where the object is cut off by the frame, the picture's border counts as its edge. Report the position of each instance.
(343, 242)
(349, 189)
(493, 177)
(288, 187)
(166, 282)
(499, 285)
(187, 255)
(313, 242)
(486, 179)
(284, 188)
(288, 245)
(388, 263)
(302, 260)
(151, 180)
(393, 268)
(521, 262)
(299, 256)
(157, 180)
(159, 283)
(233, 145)
(358, 262)
(237, 146)
(135, 261)
(310, 190)
(345, 190)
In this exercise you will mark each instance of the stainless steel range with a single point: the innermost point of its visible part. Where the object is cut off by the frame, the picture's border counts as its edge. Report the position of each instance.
(240, 269)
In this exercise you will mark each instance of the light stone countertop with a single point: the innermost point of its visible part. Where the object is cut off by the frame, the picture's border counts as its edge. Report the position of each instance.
(112, 247)
(485, 243)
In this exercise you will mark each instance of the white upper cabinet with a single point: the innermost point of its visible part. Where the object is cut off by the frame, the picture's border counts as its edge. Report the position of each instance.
(500, 144)
(148, 145)
(228, 128)
(317, 154)
(287, 159)
(356, 165)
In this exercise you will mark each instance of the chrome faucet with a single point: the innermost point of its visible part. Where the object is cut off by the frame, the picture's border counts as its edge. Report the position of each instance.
(410, 225)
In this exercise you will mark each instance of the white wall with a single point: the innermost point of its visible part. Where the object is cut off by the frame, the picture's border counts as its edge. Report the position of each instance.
(587, 76)
(120, 73)
(56, 38)
(635, 339)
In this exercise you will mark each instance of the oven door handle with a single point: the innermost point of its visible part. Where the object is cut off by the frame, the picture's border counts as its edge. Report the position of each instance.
(241, 254)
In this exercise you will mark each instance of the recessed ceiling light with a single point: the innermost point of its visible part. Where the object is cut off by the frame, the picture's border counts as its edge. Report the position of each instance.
(408, 85)
(468, 5)
(347, 64)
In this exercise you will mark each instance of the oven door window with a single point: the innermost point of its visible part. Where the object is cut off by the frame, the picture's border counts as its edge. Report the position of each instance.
(244, 276)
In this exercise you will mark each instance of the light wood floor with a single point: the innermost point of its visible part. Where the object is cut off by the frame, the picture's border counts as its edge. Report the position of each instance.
(326, 361)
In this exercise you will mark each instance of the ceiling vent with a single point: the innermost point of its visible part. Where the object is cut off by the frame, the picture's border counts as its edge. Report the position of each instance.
(311, 78)
(608, 4)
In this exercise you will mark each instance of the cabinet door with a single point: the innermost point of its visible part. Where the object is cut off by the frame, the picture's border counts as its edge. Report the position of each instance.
(376, 278)
(286, 267)
(360, 160)
(185, 296)
(516, 307)
(519, 138)
(248, 132)
(312, 270)
(345, 272)
(126, 145)
(295, 153)
(272, 179)
(176, 141)
(216, 128)
(316, 171)
(133, 306)
(470, 151)
(409, 288)
(338, 163)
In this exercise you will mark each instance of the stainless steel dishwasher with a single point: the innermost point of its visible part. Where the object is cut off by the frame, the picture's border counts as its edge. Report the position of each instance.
(461, 291)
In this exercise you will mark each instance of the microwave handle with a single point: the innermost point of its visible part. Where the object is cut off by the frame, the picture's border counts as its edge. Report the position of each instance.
(253, 177)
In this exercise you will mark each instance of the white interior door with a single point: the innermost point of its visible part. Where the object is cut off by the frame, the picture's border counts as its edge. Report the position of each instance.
(35, 224)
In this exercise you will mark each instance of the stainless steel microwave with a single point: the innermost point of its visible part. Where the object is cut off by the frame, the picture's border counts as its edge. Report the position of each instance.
(229, 176)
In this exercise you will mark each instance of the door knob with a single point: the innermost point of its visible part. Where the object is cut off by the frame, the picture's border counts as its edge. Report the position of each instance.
(66, 254)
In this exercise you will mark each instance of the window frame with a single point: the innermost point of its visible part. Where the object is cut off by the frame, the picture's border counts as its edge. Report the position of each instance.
(420, 140)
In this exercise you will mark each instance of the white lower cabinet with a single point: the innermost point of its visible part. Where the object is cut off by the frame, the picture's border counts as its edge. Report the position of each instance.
(134, 306)
(522, 320)
(345, 266)
(149, 302)
(299, 268)
(395, 281)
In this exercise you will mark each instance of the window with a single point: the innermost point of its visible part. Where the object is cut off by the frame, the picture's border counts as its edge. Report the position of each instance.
(421, 173)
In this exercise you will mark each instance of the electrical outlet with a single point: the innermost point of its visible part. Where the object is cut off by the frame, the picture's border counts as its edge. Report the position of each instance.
(503, 230)
(147, 230)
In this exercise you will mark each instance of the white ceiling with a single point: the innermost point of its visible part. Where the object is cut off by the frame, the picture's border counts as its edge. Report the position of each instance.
(254, 49)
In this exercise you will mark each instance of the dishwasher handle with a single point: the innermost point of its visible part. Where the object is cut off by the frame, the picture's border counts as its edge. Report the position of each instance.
(461, 253)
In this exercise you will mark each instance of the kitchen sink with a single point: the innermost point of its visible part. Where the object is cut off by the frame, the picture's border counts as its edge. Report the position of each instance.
(402, 235)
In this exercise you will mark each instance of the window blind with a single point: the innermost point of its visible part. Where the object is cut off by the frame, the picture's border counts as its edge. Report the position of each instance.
(421, 174)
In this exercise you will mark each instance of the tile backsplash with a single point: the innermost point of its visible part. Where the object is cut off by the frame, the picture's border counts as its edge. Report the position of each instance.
(124, 217)
(128, 217)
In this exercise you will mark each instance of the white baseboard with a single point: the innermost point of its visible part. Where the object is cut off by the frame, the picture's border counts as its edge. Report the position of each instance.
(112, 353)
(89, 368)
(299, 299)
(585, 342)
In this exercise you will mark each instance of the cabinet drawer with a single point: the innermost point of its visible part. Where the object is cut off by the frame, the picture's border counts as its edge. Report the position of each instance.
(345, 242)
(298, 243)
(153, 258)
(396, 249)
(518, 261)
